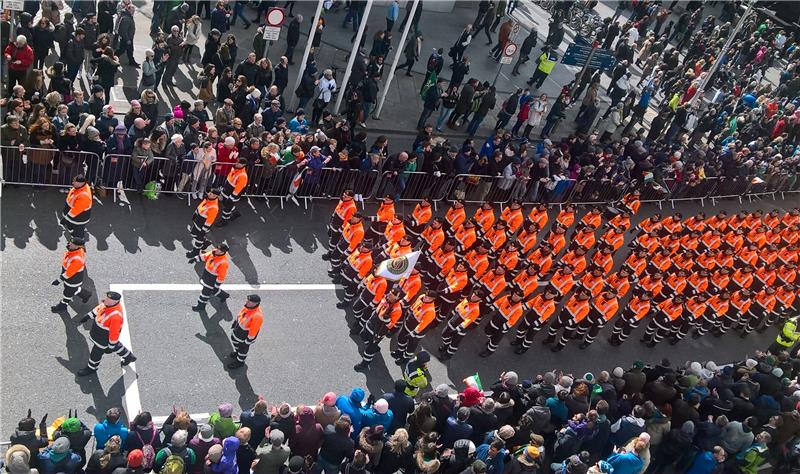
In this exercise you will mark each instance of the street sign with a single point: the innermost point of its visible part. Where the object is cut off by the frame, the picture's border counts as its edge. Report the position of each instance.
(515, 28)
(16, 5)
(577, 55)
(272, 33)
(275, 16)
(506, 60)
(509, 49)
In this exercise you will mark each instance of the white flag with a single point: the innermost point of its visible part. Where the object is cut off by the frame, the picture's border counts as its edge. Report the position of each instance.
(396, 268)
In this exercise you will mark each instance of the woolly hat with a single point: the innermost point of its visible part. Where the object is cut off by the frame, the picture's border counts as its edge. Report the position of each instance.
(225, 410)
(506, 432)
(549, 378)
(617, 372)
(135, 458)
(329, 399)
(695, 368)
(566, 382)
(230, 141)
(751, 363)
(71, 425)
(60, 445)
(381, 406)
(92, 133)
(777, 372)
(17, 459)
(135, 103)
(637, 364)
(215, 453)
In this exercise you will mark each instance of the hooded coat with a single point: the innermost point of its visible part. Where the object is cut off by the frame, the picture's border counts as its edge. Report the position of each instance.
(307, 437)
(351, 406)
(227, 464)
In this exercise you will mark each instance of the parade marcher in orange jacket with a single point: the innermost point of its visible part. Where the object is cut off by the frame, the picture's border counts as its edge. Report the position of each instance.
(214, 273)
(73, 268)
(464, 317)
(246, 327)
(232, 191)
(78, 207)
(202, 220)
(107, 320)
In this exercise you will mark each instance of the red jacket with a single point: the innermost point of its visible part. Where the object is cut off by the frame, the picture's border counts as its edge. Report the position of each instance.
(25, 55)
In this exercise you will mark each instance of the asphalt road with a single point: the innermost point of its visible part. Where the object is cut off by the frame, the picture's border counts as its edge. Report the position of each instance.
(304, 349)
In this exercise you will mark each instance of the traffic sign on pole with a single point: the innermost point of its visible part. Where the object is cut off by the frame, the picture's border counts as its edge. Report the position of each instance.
(275, 16)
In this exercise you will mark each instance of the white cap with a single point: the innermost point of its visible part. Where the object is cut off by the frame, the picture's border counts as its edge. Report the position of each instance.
(230, 141)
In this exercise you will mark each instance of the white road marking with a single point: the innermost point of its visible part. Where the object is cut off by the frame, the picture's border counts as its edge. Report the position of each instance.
(131, 398)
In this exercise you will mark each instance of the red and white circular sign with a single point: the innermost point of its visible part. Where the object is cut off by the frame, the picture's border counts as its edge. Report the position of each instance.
(275, 17)
(510, 49)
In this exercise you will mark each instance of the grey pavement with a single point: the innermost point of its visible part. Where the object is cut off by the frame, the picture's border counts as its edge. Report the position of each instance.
(304, 349)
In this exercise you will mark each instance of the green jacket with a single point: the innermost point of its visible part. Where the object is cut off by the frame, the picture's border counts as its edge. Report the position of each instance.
(223, 427)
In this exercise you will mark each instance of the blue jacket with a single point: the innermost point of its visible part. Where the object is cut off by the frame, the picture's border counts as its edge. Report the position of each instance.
(704, 463)
(393, 12)
(351, 406)
(105, 430)
(52, 463)
(625, 463)
(495, 465)
(370, 417)
(227, 463)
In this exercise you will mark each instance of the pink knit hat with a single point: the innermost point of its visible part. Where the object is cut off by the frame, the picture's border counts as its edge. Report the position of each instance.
(329, 399)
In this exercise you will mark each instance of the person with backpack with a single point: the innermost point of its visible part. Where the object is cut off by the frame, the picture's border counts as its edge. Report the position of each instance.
(176, 457)
(143, 435)
(751, 459)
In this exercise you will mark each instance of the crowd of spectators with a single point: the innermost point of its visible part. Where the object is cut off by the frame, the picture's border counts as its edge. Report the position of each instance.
(696, 417)
(743, 126)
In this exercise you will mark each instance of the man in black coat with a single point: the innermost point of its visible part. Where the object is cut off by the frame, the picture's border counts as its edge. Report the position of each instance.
(401, 405)
(293, 37)
(482, 419)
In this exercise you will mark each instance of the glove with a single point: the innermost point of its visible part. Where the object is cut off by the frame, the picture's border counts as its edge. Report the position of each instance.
(44, 420)
(56, 282)
(85, 318)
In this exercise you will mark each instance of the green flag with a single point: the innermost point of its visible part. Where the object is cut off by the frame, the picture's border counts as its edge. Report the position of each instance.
(475, 381)
(430, 81)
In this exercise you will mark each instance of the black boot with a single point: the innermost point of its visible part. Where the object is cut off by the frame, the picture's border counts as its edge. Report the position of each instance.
(60, 307)
(361, 366)
(85, 371)
(520, 350)
(199, 307)
(234, 365)
(223, 295)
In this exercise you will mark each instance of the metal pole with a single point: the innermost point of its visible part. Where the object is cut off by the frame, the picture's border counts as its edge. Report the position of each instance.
(302, 69)
(512, 37)
(400, 48)
(583, 70)
(701, 90)
(353, 54)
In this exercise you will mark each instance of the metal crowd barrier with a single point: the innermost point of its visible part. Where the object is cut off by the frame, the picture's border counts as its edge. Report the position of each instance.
(46, 166)
(52, 167)
(329, 183)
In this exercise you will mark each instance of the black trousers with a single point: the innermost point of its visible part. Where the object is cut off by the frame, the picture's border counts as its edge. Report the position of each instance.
(97, 353)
